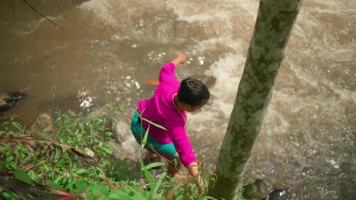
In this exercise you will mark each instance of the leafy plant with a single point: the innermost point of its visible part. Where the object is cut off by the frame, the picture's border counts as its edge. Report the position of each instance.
(80, 161)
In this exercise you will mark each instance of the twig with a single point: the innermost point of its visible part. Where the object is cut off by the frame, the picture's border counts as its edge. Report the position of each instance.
(6, 139)
(44, 16)
(110, 183)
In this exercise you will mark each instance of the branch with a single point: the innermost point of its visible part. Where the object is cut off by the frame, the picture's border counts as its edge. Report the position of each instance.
(44, 16)
(13, 10)
(30, 142)
(25, 190)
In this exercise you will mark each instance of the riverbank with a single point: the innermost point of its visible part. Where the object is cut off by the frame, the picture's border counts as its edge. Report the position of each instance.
(81, 155)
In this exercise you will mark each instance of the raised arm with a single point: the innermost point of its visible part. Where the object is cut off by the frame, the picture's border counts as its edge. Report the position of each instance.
(167, 72)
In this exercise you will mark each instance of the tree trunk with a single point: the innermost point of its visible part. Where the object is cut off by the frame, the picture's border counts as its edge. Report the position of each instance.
(272, 29)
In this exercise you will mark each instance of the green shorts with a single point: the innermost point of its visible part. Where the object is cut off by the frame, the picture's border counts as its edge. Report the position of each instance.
(166, 150)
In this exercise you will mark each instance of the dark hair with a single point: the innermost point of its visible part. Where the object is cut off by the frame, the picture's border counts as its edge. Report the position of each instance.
(193, 92)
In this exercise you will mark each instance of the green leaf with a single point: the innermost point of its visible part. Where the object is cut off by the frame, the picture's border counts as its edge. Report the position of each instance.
(54, 186)
(159, 182)
(5, 123)
(22, 176)
(144, 140)
(9, 195)
(32, 175)
(58, 120)
(17, 125)
(135, 195)
(209, 197)
(152, 165)
(118, 194)
(81, 171)
(80, 186)
(108, 133)
(147, 175)
(239, 196)
(107, 149)
(96, 190)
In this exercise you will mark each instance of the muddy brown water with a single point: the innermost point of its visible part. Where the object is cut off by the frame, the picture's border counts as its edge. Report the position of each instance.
(111, 49)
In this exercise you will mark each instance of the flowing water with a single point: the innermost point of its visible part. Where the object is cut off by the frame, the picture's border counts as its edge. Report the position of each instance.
(110, 50)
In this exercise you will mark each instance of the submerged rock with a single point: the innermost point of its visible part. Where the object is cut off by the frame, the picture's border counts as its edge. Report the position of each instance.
(9, 99)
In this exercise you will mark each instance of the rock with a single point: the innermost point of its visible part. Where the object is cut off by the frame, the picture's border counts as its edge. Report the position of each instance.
(280, 194)
(9, 99)
(2, 103)
(89, 152)
(257, 190)
(42, 128)
(126, 146)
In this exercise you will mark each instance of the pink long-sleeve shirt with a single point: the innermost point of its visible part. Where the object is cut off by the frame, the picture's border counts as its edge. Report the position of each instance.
(162, 110)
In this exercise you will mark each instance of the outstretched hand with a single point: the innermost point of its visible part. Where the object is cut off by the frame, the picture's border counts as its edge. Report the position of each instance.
(181, 57)
(180, 180)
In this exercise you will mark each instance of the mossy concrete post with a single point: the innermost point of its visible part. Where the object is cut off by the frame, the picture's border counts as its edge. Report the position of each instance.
(272, 29)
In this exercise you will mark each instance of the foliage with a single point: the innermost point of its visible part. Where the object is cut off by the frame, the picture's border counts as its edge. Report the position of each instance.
(58, 163)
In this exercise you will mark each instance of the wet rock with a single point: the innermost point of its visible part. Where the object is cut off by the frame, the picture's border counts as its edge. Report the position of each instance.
(280, 194)
(258, 190)
(42, 128)
(9, 99)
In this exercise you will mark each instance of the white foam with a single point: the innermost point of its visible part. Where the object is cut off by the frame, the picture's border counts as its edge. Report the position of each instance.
(316, 82)
(199, 11)
(343, 93)
(249, 7)
(102, 9)
(192, 11)
(227, 71)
